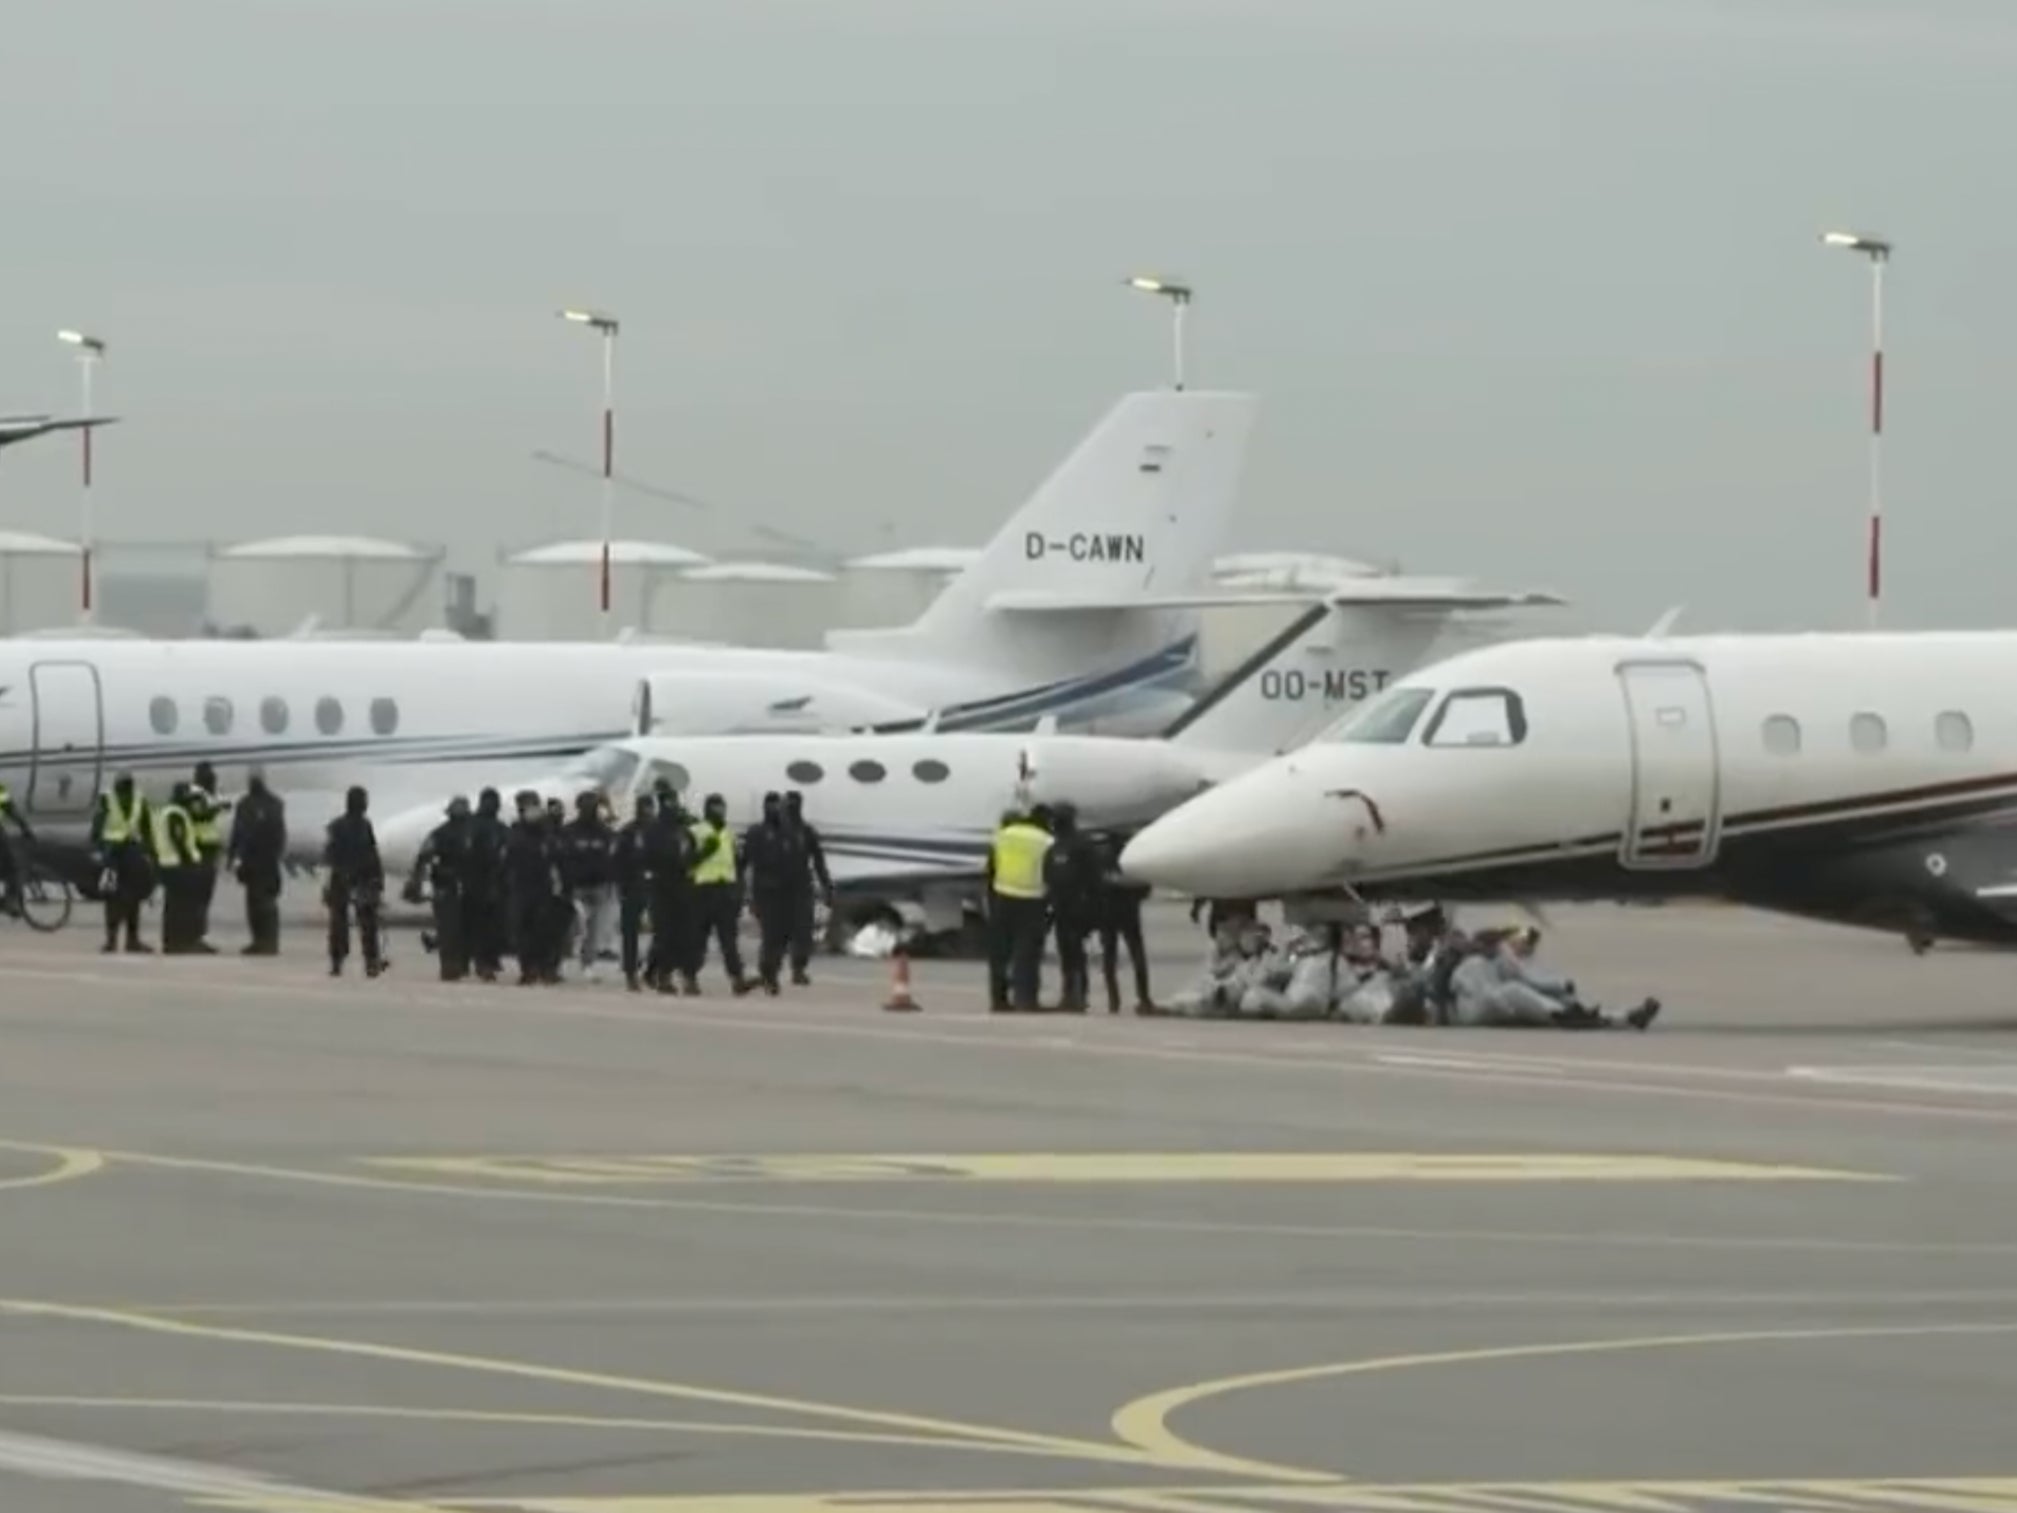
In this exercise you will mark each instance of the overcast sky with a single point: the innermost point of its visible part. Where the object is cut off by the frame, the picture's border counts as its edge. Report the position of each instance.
(1530, 288)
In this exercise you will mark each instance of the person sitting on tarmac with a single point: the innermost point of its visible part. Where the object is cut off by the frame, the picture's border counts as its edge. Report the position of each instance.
(1217, 990)
(1492, 985)
(1366, 985)
(1301, 982)
(1430, 952)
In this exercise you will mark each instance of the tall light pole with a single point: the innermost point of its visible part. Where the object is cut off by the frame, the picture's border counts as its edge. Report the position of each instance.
(1179, 296)
(90, 350)
(1878, 251)
(605, 324)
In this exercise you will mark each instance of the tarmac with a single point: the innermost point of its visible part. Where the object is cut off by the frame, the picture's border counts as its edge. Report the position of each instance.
(281, 1243)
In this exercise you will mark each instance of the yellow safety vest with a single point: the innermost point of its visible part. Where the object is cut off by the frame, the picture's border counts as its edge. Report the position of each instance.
(121, 825)
(165, 850)
(1019, 852)
(203, 814)
(720, 867)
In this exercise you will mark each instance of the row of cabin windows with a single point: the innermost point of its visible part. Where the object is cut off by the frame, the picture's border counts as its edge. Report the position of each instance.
(802, 772)
(1952, 731)
(275, 715)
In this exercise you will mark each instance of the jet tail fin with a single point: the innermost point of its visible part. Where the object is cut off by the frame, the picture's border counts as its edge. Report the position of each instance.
(1327, 659)
(1134, 514)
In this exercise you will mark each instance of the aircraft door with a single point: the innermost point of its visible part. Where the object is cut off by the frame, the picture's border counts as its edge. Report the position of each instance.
(1676, 816)
(69, 738)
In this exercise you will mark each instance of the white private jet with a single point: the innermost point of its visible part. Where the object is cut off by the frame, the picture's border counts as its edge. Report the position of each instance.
(1081, 609)
(1863, 778)
(907, 817)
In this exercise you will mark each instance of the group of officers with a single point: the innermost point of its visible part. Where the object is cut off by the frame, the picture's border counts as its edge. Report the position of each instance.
(538, 888)
(1046, 877)
(544, 886)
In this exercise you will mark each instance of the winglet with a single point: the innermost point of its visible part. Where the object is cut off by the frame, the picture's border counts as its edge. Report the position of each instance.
(1664, 626)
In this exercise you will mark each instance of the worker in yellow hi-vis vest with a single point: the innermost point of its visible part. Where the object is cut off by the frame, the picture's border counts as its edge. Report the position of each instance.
(122, 839)
(1016, 913)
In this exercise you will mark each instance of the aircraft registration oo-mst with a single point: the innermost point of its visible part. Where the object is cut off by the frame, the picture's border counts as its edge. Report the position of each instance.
(1864, 778)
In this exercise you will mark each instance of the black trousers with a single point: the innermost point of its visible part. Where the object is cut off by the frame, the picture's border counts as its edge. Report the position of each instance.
(262, 908)
(1115, 929)
(1016, 954)
(716, 908)
(773, 910)
(801, 931)
(531, 926)
(451, 936)
(1074, 966)
(181, 908)
(345, 900)
(631, 905)
(671, 924)
(133, 880)
(486, 922)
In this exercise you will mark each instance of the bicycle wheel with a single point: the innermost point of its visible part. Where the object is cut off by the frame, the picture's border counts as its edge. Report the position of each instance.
(46, 900)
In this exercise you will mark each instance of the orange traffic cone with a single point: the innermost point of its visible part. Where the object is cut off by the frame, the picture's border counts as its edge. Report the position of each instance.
(900, 1000)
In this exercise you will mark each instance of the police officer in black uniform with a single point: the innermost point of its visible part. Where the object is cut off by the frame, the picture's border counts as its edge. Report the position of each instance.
(356, 883)
(668, 854)
(630, 871)
(1071, 878)
(258, 845)
(443, 861)
(765, 871)
(485, 896)
(532, 885)
(1117, 914)
(122, 840)
(808, 872)
(11, 867)
(560, 914)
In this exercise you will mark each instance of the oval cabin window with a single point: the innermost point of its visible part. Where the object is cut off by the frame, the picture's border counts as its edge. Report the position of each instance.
(805, 772)
(867, 772)
(1954, 731)
(384, 716)
(930, 770)
(328, 715)
(163, 715)
(1867, 733)
(1782, 735)
(217, 715)
(273, 716)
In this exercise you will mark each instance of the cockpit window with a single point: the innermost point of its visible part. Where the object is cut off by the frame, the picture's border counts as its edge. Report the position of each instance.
(1478, 717)
(609, 768)
(1386, 721)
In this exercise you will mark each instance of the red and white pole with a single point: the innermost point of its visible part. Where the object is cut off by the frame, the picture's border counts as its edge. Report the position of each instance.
(1876, 582)
(608, 458)
(1878, 251)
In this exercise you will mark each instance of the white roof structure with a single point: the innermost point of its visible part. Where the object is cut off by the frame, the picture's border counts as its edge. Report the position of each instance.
(30, 544)
(755, 572)
(920, 559)
(621, 554)
(327, 549)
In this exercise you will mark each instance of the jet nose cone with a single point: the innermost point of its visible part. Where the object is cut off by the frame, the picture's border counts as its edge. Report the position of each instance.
(1254, 837)
(1171, 853)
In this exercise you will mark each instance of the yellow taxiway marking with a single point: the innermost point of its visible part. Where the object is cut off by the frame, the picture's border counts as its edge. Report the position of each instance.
(1114, 1167)
(1144, 1422)
(951, 1433)
(467, 1416)
(71, 1164)
(1973, 1494)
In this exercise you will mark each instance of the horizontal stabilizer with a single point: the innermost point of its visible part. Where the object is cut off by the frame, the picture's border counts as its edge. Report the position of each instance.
(27, 427)
(1397, 592)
